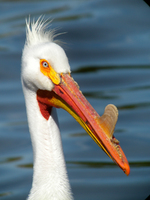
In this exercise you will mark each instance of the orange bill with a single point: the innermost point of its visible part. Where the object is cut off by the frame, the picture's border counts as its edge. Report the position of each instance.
(66, 95)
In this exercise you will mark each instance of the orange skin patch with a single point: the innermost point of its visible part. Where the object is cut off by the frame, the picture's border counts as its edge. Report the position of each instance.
(48, 71)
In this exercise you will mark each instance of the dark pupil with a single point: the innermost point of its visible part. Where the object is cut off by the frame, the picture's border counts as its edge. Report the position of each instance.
(45, 64)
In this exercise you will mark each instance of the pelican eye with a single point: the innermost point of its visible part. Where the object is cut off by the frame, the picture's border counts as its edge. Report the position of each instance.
(45, 64)
(48, 71)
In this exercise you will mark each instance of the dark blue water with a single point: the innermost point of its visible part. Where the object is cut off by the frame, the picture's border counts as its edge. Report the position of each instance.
(108, 46)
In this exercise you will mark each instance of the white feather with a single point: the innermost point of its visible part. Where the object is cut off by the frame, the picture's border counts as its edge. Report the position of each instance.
(50, 181)
(37, 33)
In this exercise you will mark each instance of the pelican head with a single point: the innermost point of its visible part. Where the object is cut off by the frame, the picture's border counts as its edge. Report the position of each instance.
(40, 54)
(47, 84)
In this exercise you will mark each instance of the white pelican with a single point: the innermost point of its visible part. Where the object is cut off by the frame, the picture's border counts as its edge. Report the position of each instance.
(47, 84)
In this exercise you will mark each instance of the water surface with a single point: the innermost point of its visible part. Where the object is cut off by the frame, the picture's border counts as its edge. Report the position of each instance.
(108, 46)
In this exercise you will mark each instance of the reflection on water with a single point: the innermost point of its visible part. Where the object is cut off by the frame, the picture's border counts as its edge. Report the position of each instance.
(108, 45)
(80, 164)
(8, 160)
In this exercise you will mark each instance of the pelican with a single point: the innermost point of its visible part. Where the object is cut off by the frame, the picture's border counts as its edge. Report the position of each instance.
(47, 84)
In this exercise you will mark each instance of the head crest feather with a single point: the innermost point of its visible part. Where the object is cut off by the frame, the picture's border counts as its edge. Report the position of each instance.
(36, 32)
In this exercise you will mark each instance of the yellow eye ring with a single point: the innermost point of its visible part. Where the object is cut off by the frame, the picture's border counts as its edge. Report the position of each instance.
(48, 71)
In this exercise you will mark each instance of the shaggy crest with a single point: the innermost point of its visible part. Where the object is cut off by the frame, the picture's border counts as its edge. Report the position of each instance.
(36, 32)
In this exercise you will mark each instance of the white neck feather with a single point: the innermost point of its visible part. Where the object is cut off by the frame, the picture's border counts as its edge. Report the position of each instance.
(50, 181)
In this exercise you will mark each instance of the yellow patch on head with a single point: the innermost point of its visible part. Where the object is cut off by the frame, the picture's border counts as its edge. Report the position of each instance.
(48, 71)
